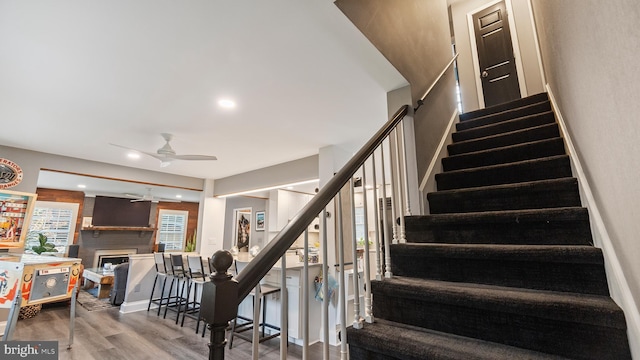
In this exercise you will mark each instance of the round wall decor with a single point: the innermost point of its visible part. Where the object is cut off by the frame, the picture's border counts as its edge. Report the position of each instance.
(10, 174)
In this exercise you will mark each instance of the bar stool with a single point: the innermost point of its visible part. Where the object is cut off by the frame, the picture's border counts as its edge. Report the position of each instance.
(262, 291)
(180, 279)
(197, 279)
(161, 275)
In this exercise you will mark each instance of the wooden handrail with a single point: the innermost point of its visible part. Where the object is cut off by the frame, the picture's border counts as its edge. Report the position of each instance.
(251, 275)
(426, 93)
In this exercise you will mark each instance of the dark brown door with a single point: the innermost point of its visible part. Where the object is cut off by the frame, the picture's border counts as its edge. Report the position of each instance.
(495, 55)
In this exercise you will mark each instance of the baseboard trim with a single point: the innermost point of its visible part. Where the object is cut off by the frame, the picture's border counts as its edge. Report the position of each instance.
(618, 285)
(129, 307)
(440, 152)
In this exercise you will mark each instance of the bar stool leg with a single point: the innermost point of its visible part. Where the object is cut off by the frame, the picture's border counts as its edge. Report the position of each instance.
(169, 297)
(162, 298)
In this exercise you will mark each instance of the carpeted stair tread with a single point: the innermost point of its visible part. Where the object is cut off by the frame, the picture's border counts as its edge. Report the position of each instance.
(507, 216)
(567, 324)
(502, 107)
(539, 132)
(575, 254)
(389, 340)
(507, 115)
(552, 193)
(552, 167)
(565, 268)
(554, 226)
(506, 154)
(504, 126)
(570, 307)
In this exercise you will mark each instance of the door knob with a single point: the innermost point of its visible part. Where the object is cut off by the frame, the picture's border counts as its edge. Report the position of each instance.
(485, 74)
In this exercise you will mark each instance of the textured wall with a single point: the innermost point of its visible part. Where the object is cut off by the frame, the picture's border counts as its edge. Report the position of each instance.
(414, 36)
(590, 54)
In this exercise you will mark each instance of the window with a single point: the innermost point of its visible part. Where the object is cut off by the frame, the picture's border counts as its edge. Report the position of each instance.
(56, 220)
(172, 229)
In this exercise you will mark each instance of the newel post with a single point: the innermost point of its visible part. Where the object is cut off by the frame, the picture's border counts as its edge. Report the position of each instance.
(219, 303)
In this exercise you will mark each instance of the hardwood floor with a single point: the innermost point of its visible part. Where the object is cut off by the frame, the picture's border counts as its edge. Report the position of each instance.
(108, 334)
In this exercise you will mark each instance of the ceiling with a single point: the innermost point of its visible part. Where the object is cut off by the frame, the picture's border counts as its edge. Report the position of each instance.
(77, 76)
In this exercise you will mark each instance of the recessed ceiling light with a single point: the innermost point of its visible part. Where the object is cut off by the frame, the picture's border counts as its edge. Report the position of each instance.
(179, 196)
(133, 155)
(226, 103)
(82, 186)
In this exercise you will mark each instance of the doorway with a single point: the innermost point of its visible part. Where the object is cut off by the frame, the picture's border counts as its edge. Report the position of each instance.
(242, 229)
(495, 55)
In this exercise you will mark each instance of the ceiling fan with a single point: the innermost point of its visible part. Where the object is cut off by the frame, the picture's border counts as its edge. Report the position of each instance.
(149, 197)
(166, 154)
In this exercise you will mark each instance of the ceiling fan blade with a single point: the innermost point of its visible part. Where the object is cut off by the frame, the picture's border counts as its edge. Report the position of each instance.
(154, 155)
(193, 157)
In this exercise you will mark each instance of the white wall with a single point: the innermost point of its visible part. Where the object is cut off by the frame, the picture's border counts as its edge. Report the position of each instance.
(280, 174)
(31, 162)
(590, 54)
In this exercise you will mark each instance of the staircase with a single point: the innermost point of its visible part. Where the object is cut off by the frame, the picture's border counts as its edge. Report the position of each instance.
(504, 267)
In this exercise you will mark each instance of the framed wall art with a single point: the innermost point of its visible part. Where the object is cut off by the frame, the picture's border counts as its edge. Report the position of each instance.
(260, 220)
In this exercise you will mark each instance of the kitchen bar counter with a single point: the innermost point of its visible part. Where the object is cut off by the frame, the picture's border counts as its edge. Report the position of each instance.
(296, 287)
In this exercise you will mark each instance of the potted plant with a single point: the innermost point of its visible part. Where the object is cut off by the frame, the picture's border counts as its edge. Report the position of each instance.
(44, 245)
(191, 243)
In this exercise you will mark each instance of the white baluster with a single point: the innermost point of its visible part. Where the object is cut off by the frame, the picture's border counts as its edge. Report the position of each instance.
(368, 316)
(387, 253)
(357, 319)
(376, 200)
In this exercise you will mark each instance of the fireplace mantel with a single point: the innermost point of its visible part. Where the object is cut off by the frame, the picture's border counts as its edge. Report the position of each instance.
(97, 229)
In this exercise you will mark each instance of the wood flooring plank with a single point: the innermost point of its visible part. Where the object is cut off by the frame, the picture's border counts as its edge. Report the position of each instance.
(108, 334)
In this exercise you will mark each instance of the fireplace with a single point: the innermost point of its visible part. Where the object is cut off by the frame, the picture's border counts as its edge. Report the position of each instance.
(114, 256)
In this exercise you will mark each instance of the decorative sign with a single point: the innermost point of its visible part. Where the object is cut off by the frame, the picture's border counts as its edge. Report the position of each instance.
(10, 275)
(10, 174)
(15, 213)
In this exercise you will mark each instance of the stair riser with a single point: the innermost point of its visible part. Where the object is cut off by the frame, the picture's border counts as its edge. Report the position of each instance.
(542, 132)
(562, 194)
(506, 155)
(554, 168)
(577, 341)
(567, 226)
(504, 127)
(569, 233)
(504, 116)
(554, 276)
(533, 99)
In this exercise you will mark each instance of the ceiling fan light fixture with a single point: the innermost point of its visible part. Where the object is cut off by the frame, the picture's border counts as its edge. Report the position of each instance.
(226, 103)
